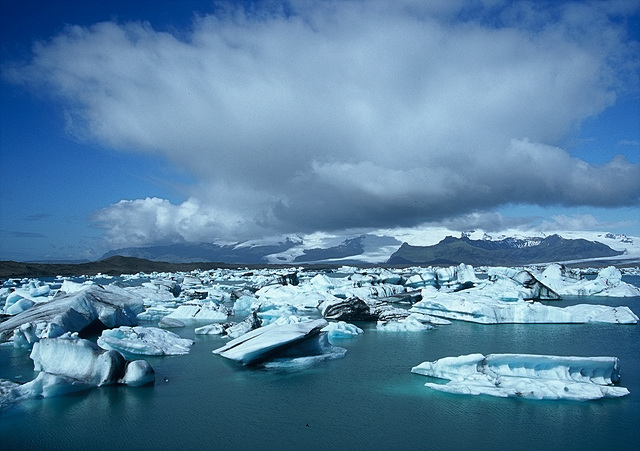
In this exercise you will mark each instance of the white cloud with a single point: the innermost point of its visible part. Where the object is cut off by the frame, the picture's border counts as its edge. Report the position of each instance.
(347, 114)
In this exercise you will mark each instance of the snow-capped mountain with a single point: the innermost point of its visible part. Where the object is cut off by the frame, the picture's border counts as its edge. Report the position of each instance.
(382, 246)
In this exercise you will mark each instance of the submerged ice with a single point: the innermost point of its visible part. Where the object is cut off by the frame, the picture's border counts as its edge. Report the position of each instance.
(526, 376)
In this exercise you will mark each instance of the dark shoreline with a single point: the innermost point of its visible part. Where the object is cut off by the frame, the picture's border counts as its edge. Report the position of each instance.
(117, 265)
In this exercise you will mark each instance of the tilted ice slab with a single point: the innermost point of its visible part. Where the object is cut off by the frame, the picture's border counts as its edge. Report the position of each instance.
(144, 341)
(68, 364)
(110, 305)
(526, 376)
(487, 310)
(287, 344)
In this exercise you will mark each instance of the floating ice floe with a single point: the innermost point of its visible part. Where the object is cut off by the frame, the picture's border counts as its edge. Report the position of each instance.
(245, 302)
(342, 329)
(144, 341)
(415, 322)
(303, 296)
(478, 308)
(110, 306)
(192, 311)
(231, 330)
(68, 364)
(16, 304)
(25, 297)
(526, 376)
(282, 346)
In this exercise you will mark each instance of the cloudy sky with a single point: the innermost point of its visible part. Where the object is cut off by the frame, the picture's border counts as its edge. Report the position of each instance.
(130, 123)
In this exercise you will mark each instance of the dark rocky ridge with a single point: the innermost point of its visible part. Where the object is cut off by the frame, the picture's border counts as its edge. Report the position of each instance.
(204, 252)
(508, 252)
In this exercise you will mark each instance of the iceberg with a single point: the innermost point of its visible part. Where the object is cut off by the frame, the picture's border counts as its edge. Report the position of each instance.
(77, 359)
(16, 305)
(302, 296)
(607, 283)
(138, 373)
(231, 330)
(68, 364)
(245, 303)
(342, 329)
(421, 280)
(195, 311)
(282, 345)
(526, 376)
(488, 310)
(455, 275)
(144, 341)
(415, 322)
(107, 306)
(352, 309)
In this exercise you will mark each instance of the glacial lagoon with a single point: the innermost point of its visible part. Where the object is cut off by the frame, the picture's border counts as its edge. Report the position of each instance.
(367, 400)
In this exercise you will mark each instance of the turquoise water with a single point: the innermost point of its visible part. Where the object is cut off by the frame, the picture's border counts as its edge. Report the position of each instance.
(368, 400)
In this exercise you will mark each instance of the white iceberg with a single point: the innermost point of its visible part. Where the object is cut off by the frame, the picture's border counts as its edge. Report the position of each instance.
(110, 306)
(482, 309)
(45, 385)
(420, 280)
(455, 275)
(231, 330)
(212, 329)
(20, 299)
(297, 344)
(568, 282)
(69, 286)
(526, 376)
(415, 322)
(69, 364)
(144, 341)
(156, 292)
(342, 329)
(245, 303)
(16, 305)
(77, 359)
(199, 311)
(304, 296)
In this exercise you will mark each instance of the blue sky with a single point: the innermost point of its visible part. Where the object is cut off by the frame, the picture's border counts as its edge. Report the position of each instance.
(141, 122)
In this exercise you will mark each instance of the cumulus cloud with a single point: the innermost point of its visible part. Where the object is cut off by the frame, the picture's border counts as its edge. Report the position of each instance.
(154, 220)
(342, 114)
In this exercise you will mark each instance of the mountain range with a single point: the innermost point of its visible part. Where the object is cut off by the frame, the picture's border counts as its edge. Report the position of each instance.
(506, 252)
(385, 249)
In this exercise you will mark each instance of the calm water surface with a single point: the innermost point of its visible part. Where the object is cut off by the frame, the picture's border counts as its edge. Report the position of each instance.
(368, 400)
